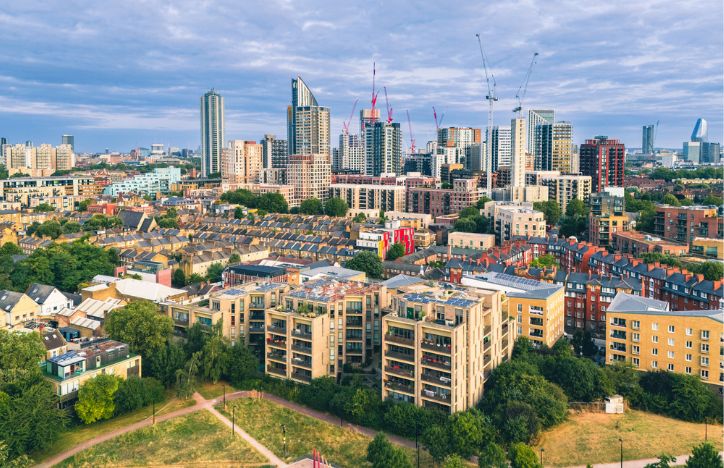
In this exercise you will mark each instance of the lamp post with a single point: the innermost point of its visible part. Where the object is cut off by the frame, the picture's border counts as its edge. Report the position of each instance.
(541, 455)
(284, 436)
(154, 412)
(233, 421)
(706, 429)
(621, 441)
(224, 396)
(417, 444)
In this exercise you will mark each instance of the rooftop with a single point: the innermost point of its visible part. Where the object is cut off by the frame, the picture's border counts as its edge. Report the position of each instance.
(326, 290)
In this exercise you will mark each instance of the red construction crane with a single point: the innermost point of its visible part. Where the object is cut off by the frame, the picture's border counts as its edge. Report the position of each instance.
(437, 122)
(412, 139)
(345, 124)
(389, 109)
(374, 90)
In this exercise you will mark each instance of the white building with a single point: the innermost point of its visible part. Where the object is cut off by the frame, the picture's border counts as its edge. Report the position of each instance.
(158, 181)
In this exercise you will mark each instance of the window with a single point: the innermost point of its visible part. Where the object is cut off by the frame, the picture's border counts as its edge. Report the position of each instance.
(671, 341)
(705, 334)
(704, 374)
(655, 351)
(520, 307)
(670, 354)
(654, 339)
(689, 331)
(635, 349)
(635, 361)
(654, 365)
(635, 324)
(704, 347)
(687, 369)
(670, 367)
(635, 337)
(688, 344)
(704, 361)
(671, 329)
(688, 357)
(654, 326)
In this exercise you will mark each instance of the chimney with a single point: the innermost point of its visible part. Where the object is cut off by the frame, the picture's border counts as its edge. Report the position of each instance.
(700, 277)
(643, 287)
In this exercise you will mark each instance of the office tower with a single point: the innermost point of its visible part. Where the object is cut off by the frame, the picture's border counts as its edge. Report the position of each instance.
(562, 151)
(603, 159)
(543, 151)
(701, 131)
(68, 140)
(275, 152)
(537, 117)
(383, 148)
(647, 139)
(500, 147)
(477, 157)
(241, 162)
(64, 158)
(350, 154)
(517, 163)
(307, 122)
(460, 138)
(711, 152)
(575, 160)
(212, 132)
(310, 175)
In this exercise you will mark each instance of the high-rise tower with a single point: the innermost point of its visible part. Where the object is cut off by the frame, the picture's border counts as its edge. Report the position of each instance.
(307, 122)
(647, 139)
(517, 164)
(212, 132)
(383, 148)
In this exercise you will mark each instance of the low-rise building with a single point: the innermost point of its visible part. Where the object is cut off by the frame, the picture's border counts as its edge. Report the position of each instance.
(439, 202)
(441, 344)
(709, 248)
(518, 221)
(17, 309)
(471, 240)
(645, 333)
(67, 371)
(370, 196)
(685, 223)
(637, 243)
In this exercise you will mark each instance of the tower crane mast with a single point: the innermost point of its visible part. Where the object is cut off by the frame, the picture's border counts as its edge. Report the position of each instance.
(491, 98)
(412, 139)
(345, 124)
(523, 88)
(389, 109)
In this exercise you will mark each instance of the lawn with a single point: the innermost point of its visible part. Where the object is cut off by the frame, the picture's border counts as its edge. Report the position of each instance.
(342, 447)
(197, 439)
(593, 438)
(77, 434)
(211, 390)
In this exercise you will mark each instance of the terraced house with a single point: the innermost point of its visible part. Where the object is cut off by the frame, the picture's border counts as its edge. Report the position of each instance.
(323, 325)
(440, 344)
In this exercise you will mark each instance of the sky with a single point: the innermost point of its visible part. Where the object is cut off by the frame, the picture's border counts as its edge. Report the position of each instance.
(123, 74)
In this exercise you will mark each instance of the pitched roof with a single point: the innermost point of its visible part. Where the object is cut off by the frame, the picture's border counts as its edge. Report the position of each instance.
(624, 302)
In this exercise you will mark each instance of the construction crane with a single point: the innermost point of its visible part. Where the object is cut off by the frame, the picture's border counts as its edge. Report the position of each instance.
(412, 139)
(491, 98)
(387, 103)
(437, 122)
(374, 90)
(523, 88)
(345, 124)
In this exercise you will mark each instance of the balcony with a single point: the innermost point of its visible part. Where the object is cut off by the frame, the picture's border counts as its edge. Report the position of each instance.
(277, 356)
(301, 376)
(256, 328)
(307, 363)
(302, 349)
(436, 363)
(400, 356)
(400, 371)
(436, 379)
(277, 329)
(276, 371)
(303, 334)
(437, 396)
(277, 343)
(436, 347)
(399, 339)
(399, 386)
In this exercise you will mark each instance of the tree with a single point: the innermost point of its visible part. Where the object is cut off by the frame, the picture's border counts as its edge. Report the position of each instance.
(367, 262)
(83, 205)
(141, 326)
(396, 251)
(164, 363)
(51, 229)
(311, 206)
(544, 261)
(213, 273)
(581, 379)
(319, 393)
(215, 357)
(382, 454)
(482, 201)
(234, 259)
(670, 199)
(704, 455)
(520, 423)
(335, 206)
(242, 365)
(550, 209)
(186, 377)
(96, 398)
(44, 208)
(453, 461)
(665, 461)
(436, 440)
(134, 393)
(712, 271)
(272, 203)
(178, 280)
(522, 456)
(465, 225)
(21, 461)
(492, 456)
(583, 343)
(71, 227)
(359, 218)
(712, 200)
(468, 431)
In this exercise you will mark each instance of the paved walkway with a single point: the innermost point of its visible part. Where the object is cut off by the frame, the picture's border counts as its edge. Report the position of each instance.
(201, 404)
(680, 460)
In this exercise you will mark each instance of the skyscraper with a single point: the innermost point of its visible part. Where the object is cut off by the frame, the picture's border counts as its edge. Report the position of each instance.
(701, 131)
(460, 138)
(537, 117)
(310, 176)
(212, 132)
(241, 162)
(543, 151)
(517, 166)
(307, 122)
(383, 148)
(275, 152)
(647, 139)
(603, 159)
(562, 151)
(349, 155)
(500, 147)
(68, 140)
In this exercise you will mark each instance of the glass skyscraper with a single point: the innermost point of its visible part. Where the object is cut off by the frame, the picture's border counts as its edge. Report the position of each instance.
(212, 132)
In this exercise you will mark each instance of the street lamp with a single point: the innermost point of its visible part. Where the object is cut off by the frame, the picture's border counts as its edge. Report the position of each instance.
(284, 435)
(541, 455)
(224, 385)
(233, 420)
(621, 441)
(417, 445)
(154, 411)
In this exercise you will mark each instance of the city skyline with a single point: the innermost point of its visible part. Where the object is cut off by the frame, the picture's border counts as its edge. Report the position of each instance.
(120, 84)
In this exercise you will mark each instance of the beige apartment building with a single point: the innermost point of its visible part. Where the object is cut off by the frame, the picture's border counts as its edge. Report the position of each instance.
(370, 197)
(471, 240)
(322, 325)
(310, 175)
(241, 162)
(518, 221)
(564, 188)
(440, 345)
(645, 333)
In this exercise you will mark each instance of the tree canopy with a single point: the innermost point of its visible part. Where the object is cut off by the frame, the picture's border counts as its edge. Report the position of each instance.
(550, 209)
(335, 206)
(141, 326)
(366, 261)
(396, 251)
(311, 206)
(96, 398)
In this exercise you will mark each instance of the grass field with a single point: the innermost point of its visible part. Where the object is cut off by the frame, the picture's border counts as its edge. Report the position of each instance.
(593, 438)
(211, 390)
(341, 446)
(198, 439)
(77, 434)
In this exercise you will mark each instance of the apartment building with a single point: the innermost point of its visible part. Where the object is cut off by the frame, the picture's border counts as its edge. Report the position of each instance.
(684, 223)
(370, 196)
(710, 248)
(67, 372)
(25, 190)
(17, 309)
(564, 188)
(637, 243)
(518, 221)
(440, 345)
(647, 334)
(323, 325)
(439, 202)
(310, 175)
(537, 306)
(471, 240)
